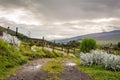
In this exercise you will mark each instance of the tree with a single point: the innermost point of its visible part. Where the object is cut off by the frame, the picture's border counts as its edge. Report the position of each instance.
(88, 44)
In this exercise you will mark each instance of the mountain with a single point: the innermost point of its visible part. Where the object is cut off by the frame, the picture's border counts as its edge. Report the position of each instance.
(104, 36)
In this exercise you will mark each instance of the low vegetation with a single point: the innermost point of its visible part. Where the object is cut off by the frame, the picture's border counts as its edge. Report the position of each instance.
(99, 57)
(54, 66)
(93, 62)
(10, 57)
(37, 52)
(53, 78)
(97, 72)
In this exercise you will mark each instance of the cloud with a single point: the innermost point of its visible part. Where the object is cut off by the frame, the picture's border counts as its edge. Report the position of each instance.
(60, 18)
(67, 9)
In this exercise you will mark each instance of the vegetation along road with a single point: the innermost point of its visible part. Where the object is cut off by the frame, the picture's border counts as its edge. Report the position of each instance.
(33, 71)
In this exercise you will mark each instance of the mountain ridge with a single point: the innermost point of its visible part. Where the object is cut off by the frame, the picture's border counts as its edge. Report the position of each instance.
(111, 35)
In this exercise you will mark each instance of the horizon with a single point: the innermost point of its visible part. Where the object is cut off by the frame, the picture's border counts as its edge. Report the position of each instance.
(60, 19)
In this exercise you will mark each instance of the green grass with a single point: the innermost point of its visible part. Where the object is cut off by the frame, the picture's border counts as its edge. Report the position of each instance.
(39, 53)
(54, 66)
(98, 72)
(10, 58)
(53, 78)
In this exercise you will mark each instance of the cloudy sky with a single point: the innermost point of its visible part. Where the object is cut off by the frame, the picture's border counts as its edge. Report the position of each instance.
(57, 19)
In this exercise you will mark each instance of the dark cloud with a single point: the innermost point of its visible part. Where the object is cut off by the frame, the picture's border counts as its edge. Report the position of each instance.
(11, 3)
(67, 9)
(77, 9)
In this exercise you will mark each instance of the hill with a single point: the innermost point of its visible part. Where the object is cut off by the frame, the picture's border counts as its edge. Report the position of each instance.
(104, 36)
(33, 41)
(13, 33)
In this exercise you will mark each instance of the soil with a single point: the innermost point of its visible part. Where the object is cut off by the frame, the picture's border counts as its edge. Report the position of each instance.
(31, 71)
(72, 73)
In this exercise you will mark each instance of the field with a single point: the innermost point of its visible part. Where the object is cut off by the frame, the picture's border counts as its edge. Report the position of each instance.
(13, 58)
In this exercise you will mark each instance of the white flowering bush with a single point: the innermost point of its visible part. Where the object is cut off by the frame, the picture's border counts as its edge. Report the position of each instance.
(109, 61)
(11, 39)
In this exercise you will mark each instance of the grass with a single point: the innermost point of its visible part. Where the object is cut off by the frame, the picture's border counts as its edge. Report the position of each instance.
(38, 53)
(116, 52)
(10, 59)
(97, 72)
(54, 66)
(53, 78)
(6, 72)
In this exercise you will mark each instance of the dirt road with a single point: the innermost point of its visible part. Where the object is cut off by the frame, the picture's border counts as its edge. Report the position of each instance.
(31, 71)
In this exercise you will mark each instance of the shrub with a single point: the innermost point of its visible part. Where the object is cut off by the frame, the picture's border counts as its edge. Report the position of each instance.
(109, 61)
(11, 39)
(88, 44)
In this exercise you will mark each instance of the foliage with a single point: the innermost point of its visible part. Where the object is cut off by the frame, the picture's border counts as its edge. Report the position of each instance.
(53, 78)
(73, 44)
(54, 66)
(88, 44)
(13, 33)
(37, 52)
(118, 44)
(10, 39)
(10, 57)
(109, 61)
(97, 72)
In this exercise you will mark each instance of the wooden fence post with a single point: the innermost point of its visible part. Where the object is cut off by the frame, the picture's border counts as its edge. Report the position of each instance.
(53, 45)
(16, 31)
(43, 43)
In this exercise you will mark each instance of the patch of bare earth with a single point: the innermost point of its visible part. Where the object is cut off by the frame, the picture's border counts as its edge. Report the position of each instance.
(30, 71)
(72, 73)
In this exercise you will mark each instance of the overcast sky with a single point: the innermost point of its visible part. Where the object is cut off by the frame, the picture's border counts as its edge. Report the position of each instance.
(57, 19)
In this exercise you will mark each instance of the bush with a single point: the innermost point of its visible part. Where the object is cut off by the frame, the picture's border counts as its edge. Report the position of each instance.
(11, 39)
(88, 44)
(109, 61)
